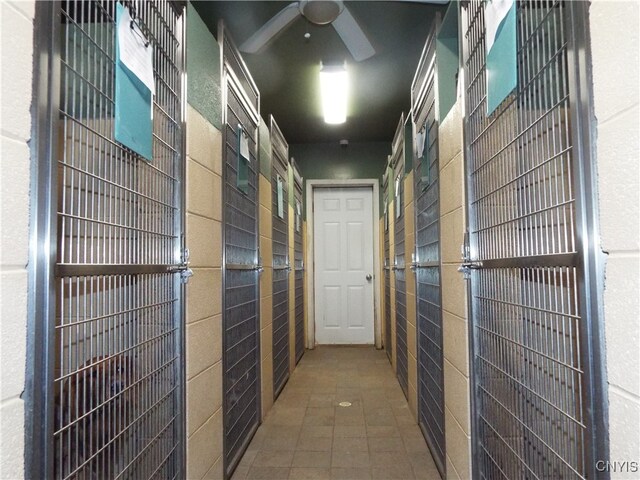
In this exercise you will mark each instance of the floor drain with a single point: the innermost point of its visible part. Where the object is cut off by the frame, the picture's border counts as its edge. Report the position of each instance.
(345, 404)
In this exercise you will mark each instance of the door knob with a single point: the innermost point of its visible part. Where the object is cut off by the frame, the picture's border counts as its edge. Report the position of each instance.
(368, 277)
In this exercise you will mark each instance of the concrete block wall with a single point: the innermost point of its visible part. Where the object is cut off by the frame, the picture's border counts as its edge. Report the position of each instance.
(409, 248)
(615, 48)
(454, 297)
(204, 298)
(16, 56)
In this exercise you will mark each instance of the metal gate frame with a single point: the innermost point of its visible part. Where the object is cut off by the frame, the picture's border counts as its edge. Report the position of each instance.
(234, 70)
(589, 258)
(39, 393)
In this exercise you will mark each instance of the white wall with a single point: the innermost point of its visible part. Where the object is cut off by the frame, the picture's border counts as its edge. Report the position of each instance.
(615, 48)
(16, 47)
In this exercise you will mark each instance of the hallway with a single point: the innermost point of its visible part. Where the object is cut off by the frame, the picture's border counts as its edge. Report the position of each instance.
(308, 435)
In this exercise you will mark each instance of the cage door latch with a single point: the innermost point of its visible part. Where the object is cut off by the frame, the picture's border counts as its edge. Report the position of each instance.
(466, 267)
(183, 267)
(467, 264)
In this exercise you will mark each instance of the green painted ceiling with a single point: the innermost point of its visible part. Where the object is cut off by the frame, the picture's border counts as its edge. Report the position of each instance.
(286, 70)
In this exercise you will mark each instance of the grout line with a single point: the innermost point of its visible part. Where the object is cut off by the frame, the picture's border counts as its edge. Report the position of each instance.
(7, 401)
(615, 116)
(456, 368)
(624, 254)
(626, 394)
(468, 436)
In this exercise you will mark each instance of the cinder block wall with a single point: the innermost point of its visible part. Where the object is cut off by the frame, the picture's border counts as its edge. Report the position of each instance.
(454, 296)
(204, 298)
(204, 240)
(16, 54)
(615, 46)
(266, 277)
(410, 242)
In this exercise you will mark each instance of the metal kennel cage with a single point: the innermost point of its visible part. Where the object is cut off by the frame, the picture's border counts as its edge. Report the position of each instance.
(398, 166)
(298, 261)
(241, 259)
(531, 258)
(426, 262)
(280, 250)
(387, 265)
(106, 362)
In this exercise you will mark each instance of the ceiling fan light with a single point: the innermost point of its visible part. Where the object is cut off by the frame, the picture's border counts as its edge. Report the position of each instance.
(334, 87)
(321, 12)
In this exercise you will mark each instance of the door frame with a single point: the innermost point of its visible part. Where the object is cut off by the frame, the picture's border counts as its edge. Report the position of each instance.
(377, 272)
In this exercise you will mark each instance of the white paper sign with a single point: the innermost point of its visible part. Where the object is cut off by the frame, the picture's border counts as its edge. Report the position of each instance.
(244, 146)
(133, 53)
(494, 13)
(420, 141)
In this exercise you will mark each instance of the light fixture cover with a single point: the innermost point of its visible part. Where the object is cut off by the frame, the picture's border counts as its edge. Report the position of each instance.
(334, 87)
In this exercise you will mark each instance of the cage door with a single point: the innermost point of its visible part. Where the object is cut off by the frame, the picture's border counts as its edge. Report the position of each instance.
(387, 218)
(241, 314)
(536, 403)
(398, 165)
(298, 261)
(280, 250)
(427, 255)
(111, 383)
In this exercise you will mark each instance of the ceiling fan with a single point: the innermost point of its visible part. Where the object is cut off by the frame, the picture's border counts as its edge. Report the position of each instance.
(319, 12)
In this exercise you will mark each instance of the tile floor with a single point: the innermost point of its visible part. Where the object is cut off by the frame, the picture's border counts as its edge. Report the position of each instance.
(308, 435)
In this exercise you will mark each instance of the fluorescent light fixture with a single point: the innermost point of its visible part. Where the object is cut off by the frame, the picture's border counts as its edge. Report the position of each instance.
(334, 86)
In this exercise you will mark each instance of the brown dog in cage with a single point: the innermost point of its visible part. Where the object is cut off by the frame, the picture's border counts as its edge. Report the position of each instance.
(94, 407)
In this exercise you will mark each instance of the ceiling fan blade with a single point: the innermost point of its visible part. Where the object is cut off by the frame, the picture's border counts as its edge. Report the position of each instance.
(353, 36)
(270, 29)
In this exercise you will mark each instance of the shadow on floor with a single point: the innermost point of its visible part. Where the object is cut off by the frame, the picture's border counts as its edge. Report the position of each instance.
(308, 435)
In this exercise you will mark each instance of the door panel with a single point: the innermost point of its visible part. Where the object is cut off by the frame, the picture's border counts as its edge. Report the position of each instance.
(280, 249)
(397, 162)
(535, 393)
(344, 296)
(240, 321)
(427, 256)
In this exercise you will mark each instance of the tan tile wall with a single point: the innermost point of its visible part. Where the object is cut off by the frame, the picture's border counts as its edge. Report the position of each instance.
(266, 294)
(204, 298)
(409, 248)
(454, 297)
(615, 42)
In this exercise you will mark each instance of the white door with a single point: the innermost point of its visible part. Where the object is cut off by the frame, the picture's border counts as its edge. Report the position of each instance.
(343, 257)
